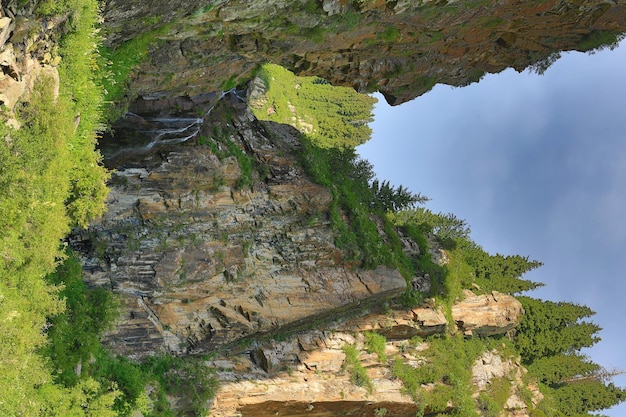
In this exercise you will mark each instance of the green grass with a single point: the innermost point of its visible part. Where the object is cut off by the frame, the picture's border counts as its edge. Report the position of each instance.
(389, 34)
(330, 116)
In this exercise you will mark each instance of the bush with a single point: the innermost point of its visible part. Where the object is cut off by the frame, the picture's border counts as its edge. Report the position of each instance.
(188, 376)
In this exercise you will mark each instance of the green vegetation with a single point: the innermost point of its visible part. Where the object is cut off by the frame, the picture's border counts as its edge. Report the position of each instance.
(448, 363)
(75, 335)
(74, 343)
(118, 65)
(357, 197)
(50, 180)
(329, 116)
(550, 328)
(358, 374)
(491, 402)
(188, 377)
(390, 34)
(598, 40)
(549, 337)
(222, 146)
(376, 343)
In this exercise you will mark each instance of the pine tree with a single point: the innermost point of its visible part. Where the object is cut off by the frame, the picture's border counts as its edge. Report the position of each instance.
(580, 398)
(562, 368)
(550, 328)
(499, 272)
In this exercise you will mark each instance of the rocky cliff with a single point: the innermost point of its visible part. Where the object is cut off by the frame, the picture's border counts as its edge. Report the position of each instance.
(203, 261)
(307, 375)
(221, 243)
(215, 239)
(317, 385)
(401, 48)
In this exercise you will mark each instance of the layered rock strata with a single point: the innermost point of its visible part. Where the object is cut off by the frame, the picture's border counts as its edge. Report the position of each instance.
(475, 315)
(200, 261)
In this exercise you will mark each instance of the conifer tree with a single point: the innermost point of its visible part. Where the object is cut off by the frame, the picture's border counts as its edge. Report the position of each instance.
(551, 328)
(579, 398)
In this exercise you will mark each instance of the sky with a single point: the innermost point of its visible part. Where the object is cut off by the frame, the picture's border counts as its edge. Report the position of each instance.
(536, 164)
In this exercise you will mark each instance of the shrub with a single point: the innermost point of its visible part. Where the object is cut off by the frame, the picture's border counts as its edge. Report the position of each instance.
(358, 374)
(390, 34)
(376, 343)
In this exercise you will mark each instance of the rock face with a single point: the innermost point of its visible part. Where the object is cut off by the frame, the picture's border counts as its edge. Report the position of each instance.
(313, 385)
(205, 251)
(401, 48)
(201, 261)
(477, 315)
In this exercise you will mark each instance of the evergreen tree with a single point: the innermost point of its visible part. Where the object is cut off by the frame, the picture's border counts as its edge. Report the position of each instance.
(389, 198)
(443, 225)
(549, 328)
(499, 272)
(580, 398)
(559, 369)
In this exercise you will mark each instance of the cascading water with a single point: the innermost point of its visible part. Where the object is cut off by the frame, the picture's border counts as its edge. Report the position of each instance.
(136, 135)
(170, 130)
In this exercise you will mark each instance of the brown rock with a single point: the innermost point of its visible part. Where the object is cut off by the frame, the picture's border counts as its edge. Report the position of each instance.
(487, 314)
(400, 48)
(6, 26)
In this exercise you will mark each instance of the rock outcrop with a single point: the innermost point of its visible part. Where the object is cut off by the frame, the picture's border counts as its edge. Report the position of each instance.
(401, 48)
(202, 261)
(28, 51)
(306, 376)
(487, 314)
(476, 315)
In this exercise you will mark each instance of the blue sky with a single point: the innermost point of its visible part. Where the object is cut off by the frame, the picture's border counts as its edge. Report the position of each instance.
(537, 166)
